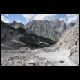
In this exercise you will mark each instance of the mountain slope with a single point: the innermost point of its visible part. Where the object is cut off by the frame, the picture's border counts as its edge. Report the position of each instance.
(65, 52)
(47, 29)
(14, 38)
(70, 41)
(10, 37)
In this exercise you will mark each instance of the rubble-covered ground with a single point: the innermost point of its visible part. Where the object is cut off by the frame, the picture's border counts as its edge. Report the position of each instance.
(37, 57)
(22, 58)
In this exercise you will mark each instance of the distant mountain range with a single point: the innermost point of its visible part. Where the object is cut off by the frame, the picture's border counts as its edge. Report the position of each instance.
(38, 33)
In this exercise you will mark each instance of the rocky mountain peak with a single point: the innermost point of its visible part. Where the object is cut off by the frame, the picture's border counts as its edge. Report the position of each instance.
(14, 22)
(16, 25)
(46, 28)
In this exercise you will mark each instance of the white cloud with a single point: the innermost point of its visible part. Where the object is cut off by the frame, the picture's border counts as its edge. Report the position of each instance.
(40, 16)
(63, 19)
(44, 16)
(6, 15)
(30, 17)
(72, 18)
(18, 21)
(4, 19)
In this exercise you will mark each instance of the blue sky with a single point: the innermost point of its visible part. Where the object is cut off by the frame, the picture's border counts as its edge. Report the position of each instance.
(16, 17)
(25, 18)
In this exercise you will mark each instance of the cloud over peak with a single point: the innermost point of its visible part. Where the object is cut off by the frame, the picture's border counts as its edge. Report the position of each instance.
(4, 19)
(30, 17)
(44, 16)
(72, 18)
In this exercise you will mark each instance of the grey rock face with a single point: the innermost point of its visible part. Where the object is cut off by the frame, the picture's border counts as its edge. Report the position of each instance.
(47, 29)
(6, 32)
(10, 37)
(70, 40)
(71, 25)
